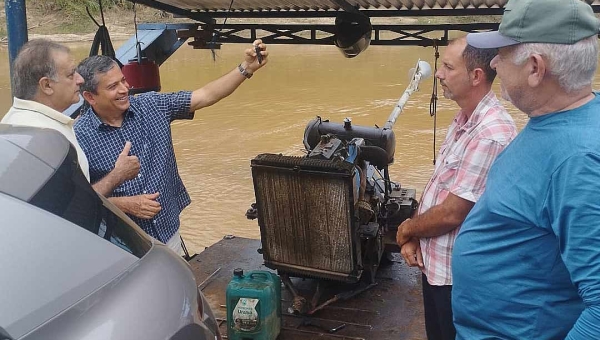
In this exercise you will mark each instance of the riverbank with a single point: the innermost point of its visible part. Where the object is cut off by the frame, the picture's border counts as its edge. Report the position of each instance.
(79, 27)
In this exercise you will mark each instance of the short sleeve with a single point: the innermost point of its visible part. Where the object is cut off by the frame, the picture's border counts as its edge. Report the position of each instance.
(175, 105)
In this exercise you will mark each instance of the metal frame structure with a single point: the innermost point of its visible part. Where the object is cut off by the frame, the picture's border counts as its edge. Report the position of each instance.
(207, 33)
(16, 28)
(210, 34)
(289, 34)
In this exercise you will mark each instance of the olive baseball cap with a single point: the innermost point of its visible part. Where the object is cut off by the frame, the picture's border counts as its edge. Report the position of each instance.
(540, 21)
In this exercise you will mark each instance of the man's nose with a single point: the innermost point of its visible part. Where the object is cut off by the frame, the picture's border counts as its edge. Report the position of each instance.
(78, 79)
(124, 87)
(494, 62)
(438, 74)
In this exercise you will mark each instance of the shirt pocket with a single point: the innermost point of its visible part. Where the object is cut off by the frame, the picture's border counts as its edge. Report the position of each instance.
(448, 171)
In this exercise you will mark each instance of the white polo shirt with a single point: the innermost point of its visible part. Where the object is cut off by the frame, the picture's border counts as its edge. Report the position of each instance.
(30, 113)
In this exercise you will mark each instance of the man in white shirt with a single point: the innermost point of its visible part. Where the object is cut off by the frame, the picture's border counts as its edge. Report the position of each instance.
(45, 83)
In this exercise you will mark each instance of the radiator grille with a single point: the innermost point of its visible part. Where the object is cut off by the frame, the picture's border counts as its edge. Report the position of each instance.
(305, 211)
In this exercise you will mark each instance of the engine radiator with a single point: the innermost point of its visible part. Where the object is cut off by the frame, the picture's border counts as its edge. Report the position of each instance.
(306, 216)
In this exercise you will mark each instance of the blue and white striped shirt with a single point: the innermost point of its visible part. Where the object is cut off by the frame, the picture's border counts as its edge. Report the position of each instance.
(147, 126)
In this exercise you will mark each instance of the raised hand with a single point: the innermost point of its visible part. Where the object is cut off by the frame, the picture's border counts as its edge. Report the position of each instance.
(251, 56)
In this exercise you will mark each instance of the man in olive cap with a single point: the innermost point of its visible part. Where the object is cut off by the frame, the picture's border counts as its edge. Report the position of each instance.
(526, 262)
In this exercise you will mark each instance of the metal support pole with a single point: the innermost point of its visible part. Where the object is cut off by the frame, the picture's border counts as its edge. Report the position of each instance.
(16, 28)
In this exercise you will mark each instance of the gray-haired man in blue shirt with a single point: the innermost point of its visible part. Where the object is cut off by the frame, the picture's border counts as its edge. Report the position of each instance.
(526, 262)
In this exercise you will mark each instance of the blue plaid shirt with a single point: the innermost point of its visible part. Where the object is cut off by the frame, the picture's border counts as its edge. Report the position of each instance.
(147, 126)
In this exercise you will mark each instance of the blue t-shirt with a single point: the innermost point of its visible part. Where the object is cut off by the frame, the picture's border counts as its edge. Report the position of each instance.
(526, 262)
(147, 126)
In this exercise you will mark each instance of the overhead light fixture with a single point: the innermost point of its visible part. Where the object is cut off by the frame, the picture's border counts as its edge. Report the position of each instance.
(353, 33)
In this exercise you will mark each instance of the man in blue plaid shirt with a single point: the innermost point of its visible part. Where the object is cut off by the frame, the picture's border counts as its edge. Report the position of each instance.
(156, 197)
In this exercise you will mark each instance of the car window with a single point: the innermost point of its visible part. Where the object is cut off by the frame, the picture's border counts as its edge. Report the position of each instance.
(120, 230)
(68, 194)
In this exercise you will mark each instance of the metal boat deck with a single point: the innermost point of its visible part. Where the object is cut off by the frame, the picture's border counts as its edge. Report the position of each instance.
(393, 309)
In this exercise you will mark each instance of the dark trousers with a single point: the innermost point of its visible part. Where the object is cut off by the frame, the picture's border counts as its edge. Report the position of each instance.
(438, 311)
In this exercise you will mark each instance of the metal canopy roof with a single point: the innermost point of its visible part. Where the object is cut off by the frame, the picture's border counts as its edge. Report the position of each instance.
(239, 8)
(279, 5)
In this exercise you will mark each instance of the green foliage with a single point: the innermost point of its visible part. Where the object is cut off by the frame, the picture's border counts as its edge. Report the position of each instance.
(77, 8)
(71, 15)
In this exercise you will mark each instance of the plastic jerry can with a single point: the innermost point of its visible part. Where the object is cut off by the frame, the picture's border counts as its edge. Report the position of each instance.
(253, 305)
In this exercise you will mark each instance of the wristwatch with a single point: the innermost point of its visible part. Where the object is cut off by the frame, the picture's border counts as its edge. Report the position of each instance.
(244, 72)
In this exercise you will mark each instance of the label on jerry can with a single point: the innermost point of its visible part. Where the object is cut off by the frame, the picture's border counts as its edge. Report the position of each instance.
(245, 316)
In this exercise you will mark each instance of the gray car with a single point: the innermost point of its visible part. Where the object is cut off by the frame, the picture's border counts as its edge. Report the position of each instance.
(72, 266)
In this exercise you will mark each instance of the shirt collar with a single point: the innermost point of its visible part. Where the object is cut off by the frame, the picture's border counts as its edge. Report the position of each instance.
(478, 114)
(40, 108)
(91, 117)
(97, 123)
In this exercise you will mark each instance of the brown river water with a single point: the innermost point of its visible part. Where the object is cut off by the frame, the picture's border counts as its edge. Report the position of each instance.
(269, 112)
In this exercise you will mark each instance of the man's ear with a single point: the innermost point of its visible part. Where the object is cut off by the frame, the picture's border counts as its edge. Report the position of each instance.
(477, 77)
(45, 85)
(89, 97)
(536, 69)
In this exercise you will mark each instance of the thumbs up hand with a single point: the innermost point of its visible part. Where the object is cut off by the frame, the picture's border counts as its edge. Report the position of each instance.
(126, 166)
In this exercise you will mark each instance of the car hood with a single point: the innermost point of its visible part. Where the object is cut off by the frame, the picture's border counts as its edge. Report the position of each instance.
(48, 264)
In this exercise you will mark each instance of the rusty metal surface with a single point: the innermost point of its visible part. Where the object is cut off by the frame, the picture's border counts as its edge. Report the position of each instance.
(305, 214)
(298, 220)
(391, 310)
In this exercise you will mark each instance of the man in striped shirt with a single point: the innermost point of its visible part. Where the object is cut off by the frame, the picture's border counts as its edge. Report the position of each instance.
(478, 133)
